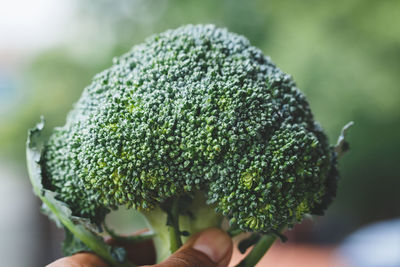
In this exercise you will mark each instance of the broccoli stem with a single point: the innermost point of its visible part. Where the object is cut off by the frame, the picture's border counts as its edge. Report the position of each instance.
(202, 217)
(258, 250)
(173, 226)
(232, 232)
(156, 219)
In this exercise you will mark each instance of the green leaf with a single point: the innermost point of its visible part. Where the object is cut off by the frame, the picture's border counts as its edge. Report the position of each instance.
(72, 245)
(342, 146)
(80, 234)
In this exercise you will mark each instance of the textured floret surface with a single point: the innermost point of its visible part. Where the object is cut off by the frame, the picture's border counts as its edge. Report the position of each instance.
(196, 108)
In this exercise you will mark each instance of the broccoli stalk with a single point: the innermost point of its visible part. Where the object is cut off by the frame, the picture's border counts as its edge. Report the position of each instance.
(193, 126)
(173, 227)
(258, 251)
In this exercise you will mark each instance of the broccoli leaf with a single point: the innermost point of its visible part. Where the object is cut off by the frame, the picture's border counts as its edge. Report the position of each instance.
(85, 237)
(72, 245)
(342, 146)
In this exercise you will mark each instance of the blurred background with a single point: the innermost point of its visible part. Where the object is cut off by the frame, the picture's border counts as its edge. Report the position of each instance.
(344, 54)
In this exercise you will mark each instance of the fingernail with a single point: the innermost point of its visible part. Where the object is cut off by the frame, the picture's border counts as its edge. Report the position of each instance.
(213, 243)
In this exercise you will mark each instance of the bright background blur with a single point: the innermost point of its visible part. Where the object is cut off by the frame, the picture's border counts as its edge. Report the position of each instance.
(344, 54)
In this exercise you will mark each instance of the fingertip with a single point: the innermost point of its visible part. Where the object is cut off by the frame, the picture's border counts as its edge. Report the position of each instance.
(210, 248)
(215, 244)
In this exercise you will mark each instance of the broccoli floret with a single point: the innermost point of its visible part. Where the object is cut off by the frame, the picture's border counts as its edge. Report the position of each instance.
(195, 111)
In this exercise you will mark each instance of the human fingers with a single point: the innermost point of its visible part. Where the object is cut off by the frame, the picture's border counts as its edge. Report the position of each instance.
(210, 248)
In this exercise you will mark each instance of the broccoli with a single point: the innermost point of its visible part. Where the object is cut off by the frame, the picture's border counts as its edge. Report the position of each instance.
(192, 127)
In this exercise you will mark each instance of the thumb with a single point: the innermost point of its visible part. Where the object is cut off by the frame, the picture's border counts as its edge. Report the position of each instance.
(210, 248)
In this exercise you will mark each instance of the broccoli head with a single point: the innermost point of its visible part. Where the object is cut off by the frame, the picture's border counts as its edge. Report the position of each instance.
(195, 111)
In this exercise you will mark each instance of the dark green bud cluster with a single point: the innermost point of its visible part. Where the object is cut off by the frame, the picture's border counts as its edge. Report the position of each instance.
(196, 108)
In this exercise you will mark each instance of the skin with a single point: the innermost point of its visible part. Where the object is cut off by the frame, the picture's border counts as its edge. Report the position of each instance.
(209, 248)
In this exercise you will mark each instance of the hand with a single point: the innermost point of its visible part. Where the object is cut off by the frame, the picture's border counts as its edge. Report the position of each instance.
(210, 248)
